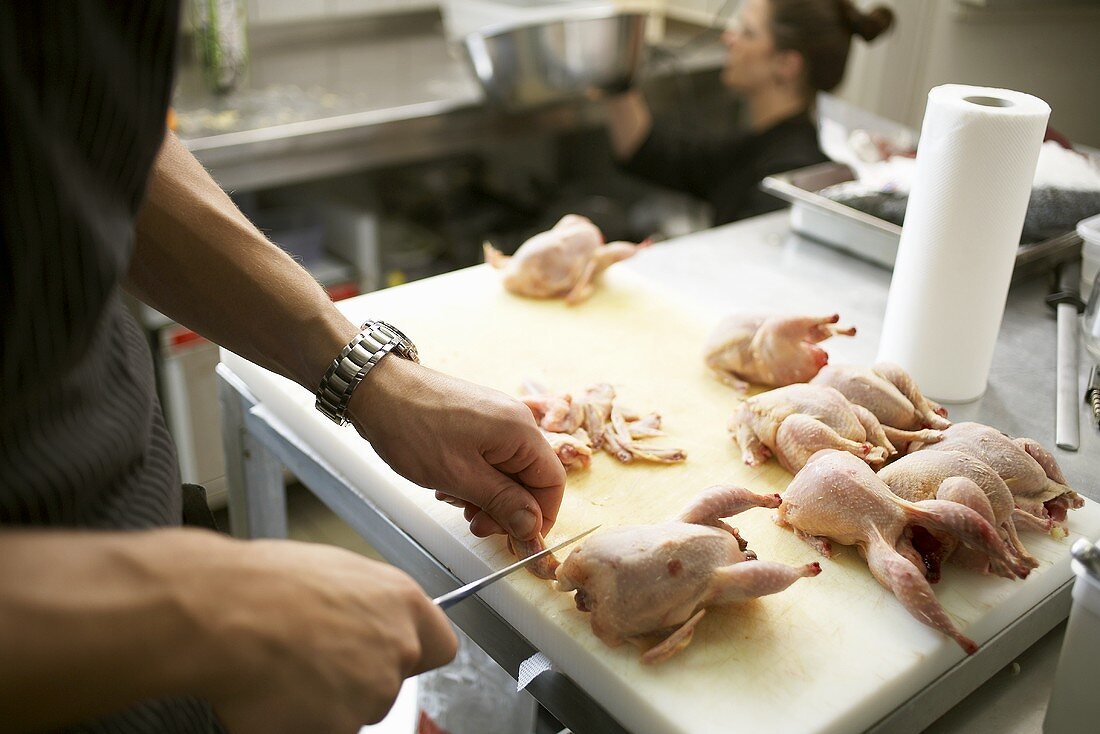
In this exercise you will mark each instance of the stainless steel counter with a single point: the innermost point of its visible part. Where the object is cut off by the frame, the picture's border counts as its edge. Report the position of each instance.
(323, 99)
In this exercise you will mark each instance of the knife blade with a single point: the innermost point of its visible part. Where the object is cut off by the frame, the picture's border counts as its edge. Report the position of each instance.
(1067, 303)
(454, 597)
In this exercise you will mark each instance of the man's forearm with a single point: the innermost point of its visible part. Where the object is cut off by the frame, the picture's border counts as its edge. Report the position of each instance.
(91, 622)
(199, 260)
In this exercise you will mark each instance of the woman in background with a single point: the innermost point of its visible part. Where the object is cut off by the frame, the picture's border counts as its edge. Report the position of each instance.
(781, 53)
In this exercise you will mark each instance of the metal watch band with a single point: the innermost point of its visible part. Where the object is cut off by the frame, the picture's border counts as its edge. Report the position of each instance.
(374, 341)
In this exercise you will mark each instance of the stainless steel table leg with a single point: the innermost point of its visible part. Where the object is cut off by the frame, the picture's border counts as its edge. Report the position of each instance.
(257, 493)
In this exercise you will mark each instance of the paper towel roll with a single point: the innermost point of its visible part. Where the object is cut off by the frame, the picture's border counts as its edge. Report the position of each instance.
(975, 162)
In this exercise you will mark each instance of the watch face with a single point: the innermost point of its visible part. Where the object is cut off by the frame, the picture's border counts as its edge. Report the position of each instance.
(404, 347)
(395, 330)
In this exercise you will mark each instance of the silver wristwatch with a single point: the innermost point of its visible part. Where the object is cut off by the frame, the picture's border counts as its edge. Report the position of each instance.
(374, 341)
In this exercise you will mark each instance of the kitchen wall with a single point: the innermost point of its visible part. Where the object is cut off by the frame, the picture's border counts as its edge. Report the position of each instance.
(1050, 50)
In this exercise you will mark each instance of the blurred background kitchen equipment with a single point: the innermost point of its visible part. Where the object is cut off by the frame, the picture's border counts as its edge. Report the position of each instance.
(551, 52)
(1089, 232)
(221, 42)
(1074, 706)
(857, 201)
(1092, 394)
(875, 239)
(1091, 323)
(1067, 303)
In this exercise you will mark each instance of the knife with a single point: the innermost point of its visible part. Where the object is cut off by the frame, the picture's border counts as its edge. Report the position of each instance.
(451, 598)
(1067, 303)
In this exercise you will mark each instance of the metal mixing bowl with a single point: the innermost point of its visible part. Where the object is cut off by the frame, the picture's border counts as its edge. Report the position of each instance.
(526, 66)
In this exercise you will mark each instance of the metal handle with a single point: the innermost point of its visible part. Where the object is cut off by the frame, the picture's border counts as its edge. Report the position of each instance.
(1067, 427)
(1067, 430)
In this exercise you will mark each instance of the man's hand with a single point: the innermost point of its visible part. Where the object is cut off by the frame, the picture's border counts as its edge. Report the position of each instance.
(478, 448)
(199, 260)
(280, 637)
(320, 639)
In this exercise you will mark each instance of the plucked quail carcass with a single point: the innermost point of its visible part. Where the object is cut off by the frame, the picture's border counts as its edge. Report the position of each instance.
(836, 497)
(769, 349)
(1031, 472)
(563, 262)
(924, 475)
(792, 423)
(890, 393)
(651, 584)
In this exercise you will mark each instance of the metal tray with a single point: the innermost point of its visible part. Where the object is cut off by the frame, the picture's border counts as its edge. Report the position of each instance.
(874, 239)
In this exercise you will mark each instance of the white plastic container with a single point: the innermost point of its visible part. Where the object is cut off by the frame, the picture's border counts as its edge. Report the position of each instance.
(1074, 706)
(1089, 231)
(1090, 323)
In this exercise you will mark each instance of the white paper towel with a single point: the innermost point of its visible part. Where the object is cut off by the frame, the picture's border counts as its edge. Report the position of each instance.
(975, 162)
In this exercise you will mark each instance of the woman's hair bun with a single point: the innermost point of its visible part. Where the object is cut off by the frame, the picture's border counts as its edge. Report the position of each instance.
(869, 25)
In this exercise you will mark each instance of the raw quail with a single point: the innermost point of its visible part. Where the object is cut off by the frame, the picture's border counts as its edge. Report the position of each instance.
(794, 422)
(836, 497)
(769, 349)
(924, 475)
(1031, 472)
(563, 262)
(651, 584)
(891, 394)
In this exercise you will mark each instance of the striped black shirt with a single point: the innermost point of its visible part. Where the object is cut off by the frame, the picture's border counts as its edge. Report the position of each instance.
(84, 90)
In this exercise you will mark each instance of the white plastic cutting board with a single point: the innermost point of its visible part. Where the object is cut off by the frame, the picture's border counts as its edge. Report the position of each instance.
(833, 653)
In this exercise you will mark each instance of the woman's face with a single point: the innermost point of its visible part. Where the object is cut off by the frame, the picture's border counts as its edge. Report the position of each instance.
(751, 48)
